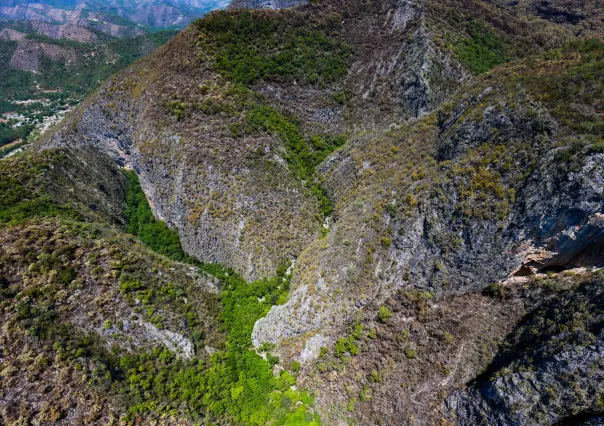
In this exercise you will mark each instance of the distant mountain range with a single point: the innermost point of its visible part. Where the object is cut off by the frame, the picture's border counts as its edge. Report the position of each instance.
(114, 17)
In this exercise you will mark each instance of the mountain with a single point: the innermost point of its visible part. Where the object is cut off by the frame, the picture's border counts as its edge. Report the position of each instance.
(161, 13)
(44, 77)
(110, 16)
(344, 212)
(69, 23)
(70, 47)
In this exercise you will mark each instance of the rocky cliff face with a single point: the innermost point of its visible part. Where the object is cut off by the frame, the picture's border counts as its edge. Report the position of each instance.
(224, 205)
(458, 170)
(548, 371)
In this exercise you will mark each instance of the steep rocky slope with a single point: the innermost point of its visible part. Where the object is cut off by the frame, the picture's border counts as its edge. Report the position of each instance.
(549, 369)
(462, 203)
(211, 180)
(403, 157)
(73, 318)
(184, 103)
(528, 352)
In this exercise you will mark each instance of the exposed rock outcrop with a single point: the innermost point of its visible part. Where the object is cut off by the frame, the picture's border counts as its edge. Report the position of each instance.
(408, 71)
(550, 369)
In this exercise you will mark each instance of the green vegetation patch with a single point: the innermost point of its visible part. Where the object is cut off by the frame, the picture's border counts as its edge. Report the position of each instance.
(142, 223)
(288, 46)
(236, 382)
(22, 195)
(304, 154)
(481, 50)
(384, 314)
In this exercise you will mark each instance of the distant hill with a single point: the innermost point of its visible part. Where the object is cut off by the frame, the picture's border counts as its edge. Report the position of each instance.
(41, 77)
(54, 52)
(111, 17)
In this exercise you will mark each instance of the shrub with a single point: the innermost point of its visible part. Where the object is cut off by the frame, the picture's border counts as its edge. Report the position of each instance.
(365, 394)
(376, 376)
(386, 242)
(272, 360)
(384, 314)
(496, 290)
(351, 404)
(345, 345)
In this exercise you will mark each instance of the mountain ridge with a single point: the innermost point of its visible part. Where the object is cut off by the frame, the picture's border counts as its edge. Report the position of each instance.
(86, 13)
